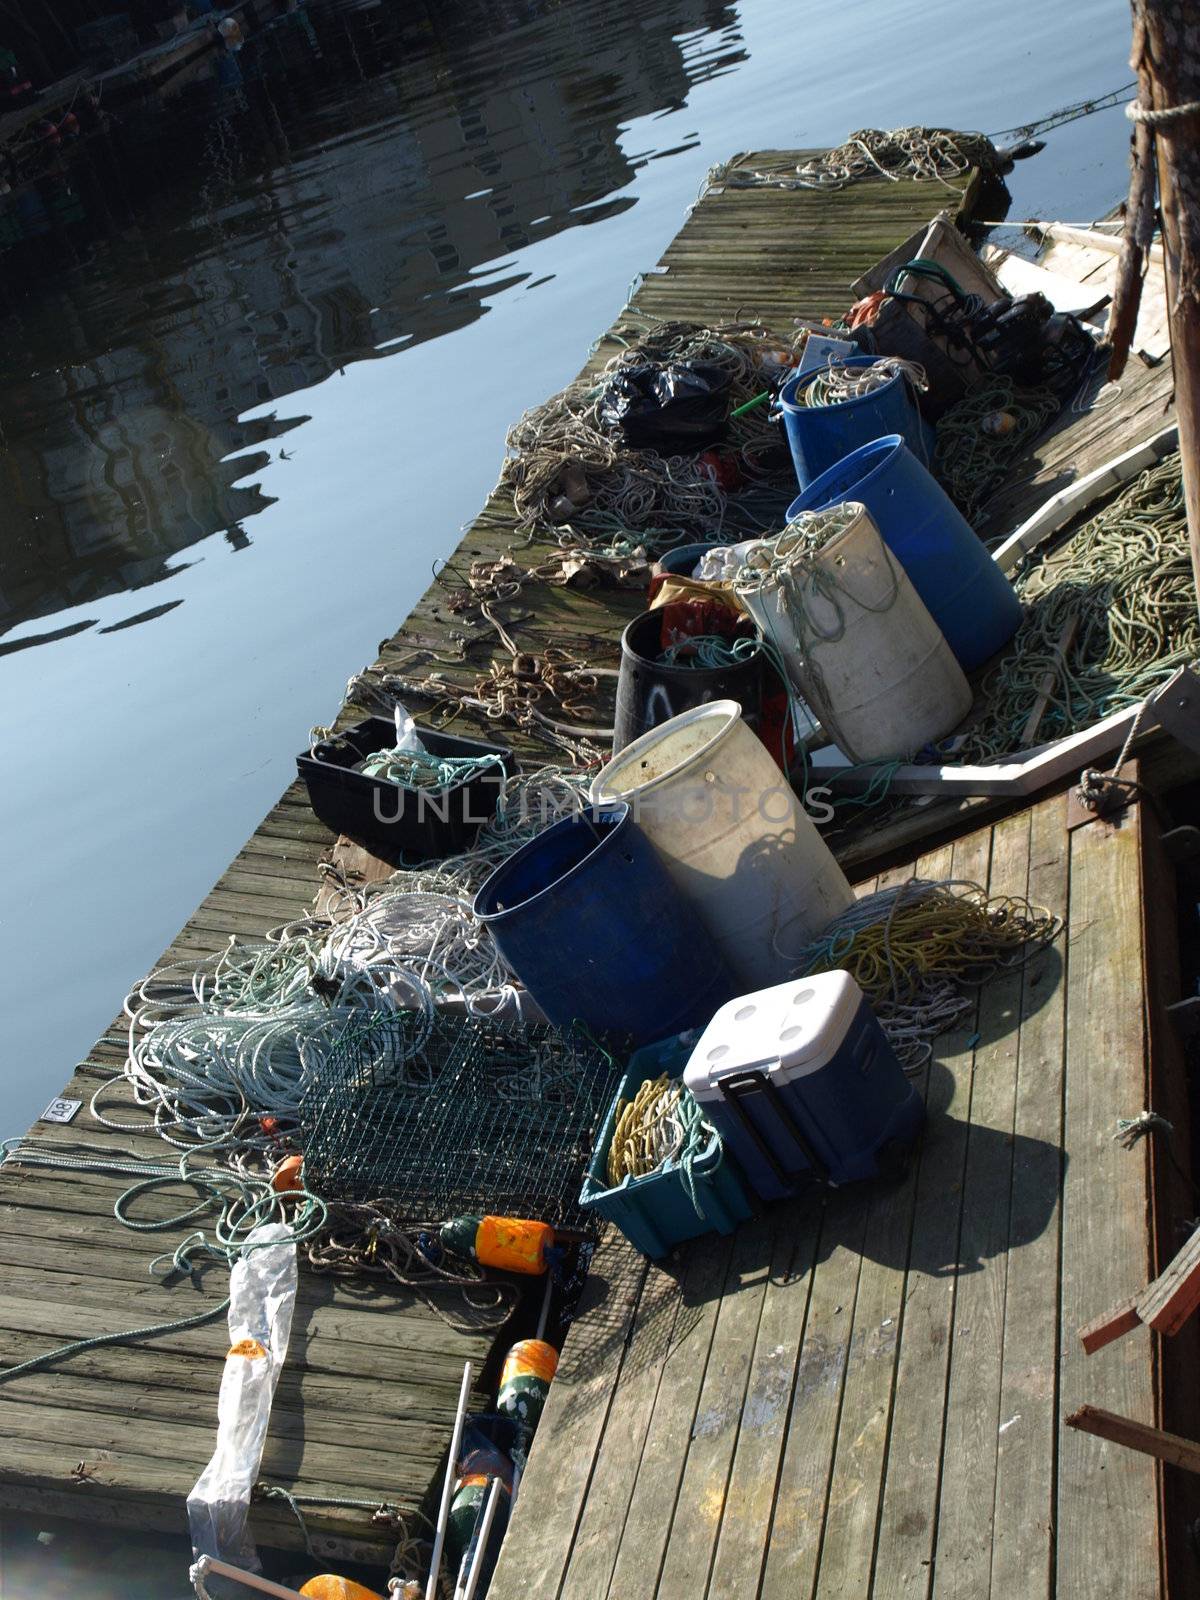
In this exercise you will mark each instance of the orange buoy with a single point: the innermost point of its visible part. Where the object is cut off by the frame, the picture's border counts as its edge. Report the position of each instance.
(287, 1176)
(328, 1586)
(512, 1244)
(525, 1380)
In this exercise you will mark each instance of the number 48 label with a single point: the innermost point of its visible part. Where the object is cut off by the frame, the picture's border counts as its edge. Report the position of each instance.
(60, 1110)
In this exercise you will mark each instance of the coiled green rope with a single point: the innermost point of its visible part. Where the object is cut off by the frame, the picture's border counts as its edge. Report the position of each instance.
(971, 462)
(419, 769)
(241, 1203)
(710, 650)
(1125, 578)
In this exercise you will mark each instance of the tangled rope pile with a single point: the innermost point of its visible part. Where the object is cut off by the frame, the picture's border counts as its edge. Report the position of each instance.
(836, 384)
(220, 1051)
(911, 948)
(1121, 592)
(618, 498)
(366, 1239)
(710, 650)
(552, 692)
(930, 155)
(662, 1123)
(770, 562)
(418, 769)
(980, 437)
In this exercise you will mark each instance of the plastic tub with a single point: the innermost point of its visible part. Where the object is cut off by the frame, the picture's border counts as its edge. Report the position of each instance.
(734, 837)
(872, 664)
(655, 1212)
(821, 436)
(589, 919)
(393, 822)
(967, 595)
(650, 691)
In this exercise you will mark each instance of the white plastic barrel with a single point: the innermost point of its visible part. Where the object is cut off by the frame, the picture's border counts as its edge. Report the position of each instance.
(862, 648)
(733, 835)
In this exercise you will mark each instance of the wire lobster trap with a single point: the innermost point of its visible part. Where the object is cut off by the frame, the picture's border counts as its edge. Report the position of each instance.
(462, 1115)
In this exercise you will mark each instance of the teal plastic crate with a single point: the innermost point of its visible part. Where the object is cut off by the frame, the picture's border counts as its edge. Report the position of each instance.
(655, 1212)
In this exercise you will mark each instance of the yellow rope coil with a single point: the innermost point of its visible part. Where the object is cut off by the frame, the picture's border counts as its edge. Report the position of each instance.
(644, 1129)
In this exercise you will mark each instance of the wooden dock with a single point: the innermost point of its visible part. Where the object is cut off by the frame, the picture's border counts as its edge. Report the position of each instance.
(863, 1395)
(826, 1399)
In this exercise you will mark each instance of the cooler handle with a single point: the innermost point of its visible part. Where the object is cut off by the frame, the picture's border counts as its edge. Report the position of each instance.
(734, 1089)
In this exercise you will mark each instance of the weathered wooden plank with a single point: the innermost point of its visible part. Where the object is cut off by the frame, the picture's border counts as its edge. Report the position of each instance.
(1023, 1528)
(1106, 1542)
(906, 1538)
(1142, 1436)
(542, 1533)
(619, 1455)
(36, 1326)
(798, 1515)
(1168, 1302)
(718, 1417)
(1110, 1325)
(660, 1471)
(750, 1494)
(184, 1443)
(856, 1483)
(972, 1419)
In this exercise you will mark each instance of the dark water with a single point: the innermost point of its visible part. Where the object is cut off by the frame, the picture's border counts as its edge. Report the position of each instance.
(254, 392)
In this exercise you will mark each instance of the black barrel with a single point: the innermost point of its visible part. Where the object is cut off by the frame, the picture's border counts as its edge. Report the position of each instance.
(650, 692)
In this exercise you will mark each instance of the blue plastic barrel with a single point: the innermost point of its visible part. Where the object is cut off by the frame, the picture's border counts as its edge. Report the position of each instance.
(587, 917)
(966, 593)
(821, 436)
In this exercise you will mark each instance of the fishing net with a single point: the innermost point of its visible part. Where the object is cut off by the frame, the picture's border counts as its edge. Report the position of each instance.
(478, 1118)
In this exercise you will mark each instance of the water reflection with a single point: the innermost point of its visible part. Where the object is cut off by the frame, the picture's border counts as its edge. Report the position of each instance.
(354, 181)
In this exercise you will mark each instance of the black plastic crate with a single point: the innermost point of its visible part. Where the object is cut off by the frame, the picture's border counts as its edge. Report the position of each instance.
(396, 823)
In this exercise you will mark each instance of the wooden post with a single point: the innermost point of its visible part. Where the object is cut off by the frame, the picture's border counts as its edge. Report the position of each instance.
(1166, 58)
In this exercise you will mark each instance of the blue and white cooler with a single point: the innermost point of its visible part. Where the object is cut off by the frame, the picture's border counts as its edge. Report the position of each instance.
(802, 1084)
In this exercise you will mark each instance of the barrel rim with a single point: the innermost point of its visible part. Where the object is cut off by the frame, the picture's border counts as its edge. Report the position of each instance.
(731, 710)
(888, 446)
(681, 673)
(617, 808)
(802, 379)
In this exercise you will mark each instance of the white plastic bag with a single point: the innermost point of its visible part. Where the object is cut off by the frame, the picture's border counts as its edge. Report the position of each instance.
(262, 1296)
(408, 742)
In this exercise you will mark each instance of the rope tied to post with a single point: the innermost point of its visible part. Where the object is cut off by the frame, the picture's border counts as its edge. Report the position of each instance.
(1162, 116)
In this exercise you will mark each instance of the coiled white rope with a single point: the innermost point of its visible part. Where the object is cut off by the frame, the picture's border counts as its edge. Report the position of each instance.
(220, 1052)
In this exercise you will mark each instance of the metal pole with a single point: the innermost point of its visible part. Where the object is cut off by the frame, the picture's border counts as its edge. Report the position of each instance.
(439, 1537)
(222, 1569)
(489, 1516)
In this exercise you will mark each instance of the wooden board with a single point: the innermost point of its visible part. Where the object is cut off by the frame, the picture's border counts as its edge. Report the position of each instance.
(864, 1394)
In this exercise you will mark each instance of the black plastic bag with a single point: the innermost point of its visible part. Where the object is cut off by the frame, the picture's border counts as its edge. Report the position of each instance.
(677, 409)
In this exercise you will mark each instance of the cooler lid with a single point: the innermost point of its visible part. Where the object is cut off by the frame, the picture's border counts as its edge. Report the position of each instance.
(790, 1030)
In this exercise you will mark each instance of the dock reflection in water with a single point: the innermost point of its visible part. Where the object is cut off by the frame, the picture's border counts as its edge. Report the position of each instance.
(347, 194)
